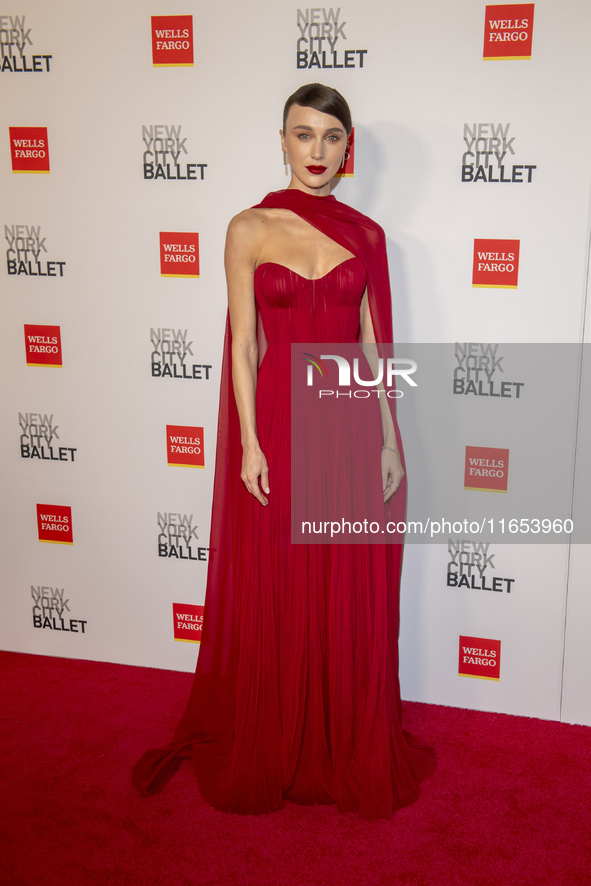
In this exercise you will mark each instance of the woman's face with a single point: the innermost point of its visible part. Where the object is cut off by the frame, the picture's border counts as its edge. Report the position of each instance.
(315, 145)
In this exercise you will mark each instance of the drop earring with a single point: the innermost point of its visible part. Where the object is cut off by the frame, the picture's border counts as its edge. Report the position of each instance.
(285, 161)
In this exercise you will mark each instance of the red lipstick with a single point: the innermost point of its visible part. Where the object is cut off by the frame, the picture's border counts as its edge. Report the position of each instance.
(316, 170)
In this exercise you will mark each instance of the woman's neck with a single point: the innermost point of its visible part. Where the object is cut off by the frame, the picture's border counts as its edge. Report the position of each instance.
(296, 185)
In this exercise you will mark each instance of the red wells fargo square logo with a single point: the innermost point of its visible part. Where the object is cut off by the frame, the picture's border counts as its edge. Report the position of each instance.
(54, 523)
(496, 264)
(508, 31)
(184, 446)
(29, 148)
(43, 345)
(188, 622)
(172, 41)
(486, 469)
(179, 255)
(480, 658)
(347, 167)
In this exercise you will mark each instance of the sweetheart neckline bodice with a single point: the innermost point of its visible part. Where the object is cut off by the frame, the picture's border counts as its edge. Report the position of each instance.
(301, 276)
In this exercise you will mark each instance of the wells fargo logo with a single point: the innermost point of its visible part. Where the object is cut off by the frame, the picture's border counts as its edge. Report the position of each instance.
(347, 167)
(54, 523)
(496, 264)
(29, 148)
(43, 345)
(480, 658)
(184, 446)
(188, 622)
(172, 41)
(508, 31)
(486, 469)
(179, 255)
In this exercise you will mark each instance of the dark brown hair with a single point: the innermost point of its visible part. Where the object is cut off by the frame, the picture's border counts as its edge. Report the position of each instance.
(321, 98)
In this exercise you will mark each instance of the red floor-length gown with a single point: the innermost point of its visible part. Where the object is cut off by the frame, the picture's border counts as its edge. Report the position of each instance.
(296, 694)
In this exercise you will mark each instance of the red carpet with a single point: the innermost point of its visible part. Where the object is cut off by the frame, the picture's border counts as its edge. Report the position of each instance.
(510, 802)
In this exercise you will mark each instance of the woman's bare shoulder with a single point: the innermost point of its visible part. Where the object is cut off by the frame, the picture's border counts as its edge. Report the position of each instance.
(252, 222)
(243, 231)
(252, 226)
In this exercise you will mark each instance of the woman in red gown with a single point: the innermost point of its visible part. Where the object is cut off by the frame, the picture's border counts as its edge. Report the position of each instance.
(296, 694)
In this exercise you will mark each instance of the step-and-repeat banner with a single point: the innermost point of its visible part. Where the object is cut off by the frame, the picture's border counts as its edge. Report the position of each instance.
(129, 136)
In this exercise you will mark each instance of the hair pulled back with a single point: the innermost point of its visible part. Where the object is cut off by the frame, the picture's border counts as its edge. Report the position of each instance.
(321, 98)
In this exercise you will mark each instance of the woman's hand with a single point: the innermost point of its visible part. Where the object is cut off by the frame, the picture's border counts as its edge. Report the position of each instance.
(392, 472)
(254, 465)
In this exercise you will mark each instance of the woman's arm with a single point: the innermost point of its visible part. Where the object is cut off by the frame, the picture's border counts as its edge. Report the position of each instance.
(240, 260)
(392, 470)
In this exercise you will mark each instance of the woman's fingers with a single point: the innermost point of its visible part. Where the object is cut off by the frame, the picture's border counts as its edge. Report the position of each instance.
(395, 481)
(252, 484)
(250, 477)
(392, 473)
(258, 494)
(389, 486)
(265, 479)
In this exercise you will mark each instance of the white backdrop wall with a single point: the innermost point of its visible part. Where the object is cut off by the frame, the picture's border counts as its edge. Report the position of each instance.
(423, 80)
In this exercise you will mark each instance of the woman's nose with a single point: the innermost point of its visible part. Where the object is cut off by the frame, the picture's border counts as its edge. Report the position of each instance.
(318, 150)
